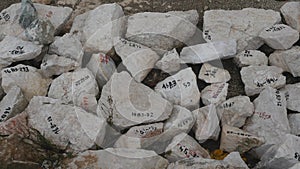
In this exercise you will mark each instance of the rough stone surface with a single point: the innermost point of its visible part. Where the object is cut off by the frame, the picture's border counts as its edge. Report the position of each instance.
(288, 60)
(242, 25)
(214, 93)
(87, 101)
(251, 57)
(294, 120)
(170, 62)
(279, 36)
(28, 14)
(292, 92)
(212, 74)
(41, 31)
(181, 89)
(291, 14)
(257, 78)
(125, 102)
(206, 52)
(16, 125)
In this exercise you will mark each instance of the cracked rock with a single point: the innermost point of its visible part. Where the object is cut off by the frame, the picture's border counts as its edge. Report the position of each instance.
(212, 74)
(251, 57)
(214, 93)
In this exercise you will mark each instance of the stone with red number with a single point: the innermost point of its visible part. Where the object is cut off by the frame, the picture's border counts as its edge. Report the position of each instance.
(251, 57)
(242, 25)
(66, 126)
(279, 36)
(13, 49)
(116, 158)
(102, 67)
(291, 14)
(125, 102)
(138, 59)
(294, 120)
(207, 123)
(257, 78)
(287, 60)
(214, 93)
(29, 79)
(86, 101)
(235, 111)
(184, 146)
(68, 86)
(181, 89)
(283, 155)
(170, 62)
(269, 120)
(212, 74)
(292, 92)
(235, 139)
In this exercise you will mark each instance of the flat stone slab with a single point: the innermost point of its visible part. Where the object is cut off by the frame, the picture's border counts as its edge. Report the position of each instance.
(214, 93)
(251, 57)
(212, 74)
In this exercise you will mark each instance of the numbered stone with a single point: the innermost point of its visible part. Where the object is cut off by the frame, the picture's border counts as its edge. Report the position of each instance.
(214, 93)
(279, 36)
(269, 119)
(206, 52)
(27, 78)
(181, 89)
(170, 62)
(242, 25)
(212, 74)
(257, 78)
(283, 155)
(207, 123)
(287, 60)
(235, 111)
(68, 86)
(235, 139)
(251, 57)
(87, 101)
(138, 59)
(294, 120)
(291, 14)
(66, 126)
(117, 158)
(13, 49)
(291, 92)
(184, 146)
(125, 102)
(28, 13)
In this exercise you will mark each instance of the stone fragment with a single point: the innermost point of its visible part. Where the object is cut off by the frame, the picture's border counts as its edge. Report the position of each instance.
(251, 57)
(292, 92)
(181, 89)
(257, 78)
(212, 74)
(28, 13)
(184, 146)
(294, 120)
(46, 2)
(87, 101)
(287, 60)
(279, 36)
(214, 93)
(67, 127)
(71, 3)
(269, 119)
(27, 78)
(291, 14)
(235, 139)
(41, 31)
(16, 125)
(138, 59)
(235, 111)
(102, 67)
(242, 25)
(116, 158)
(13, 49)
(235, 160)
(206, 52)
(207, 123)
(125, 102)
(170, 62)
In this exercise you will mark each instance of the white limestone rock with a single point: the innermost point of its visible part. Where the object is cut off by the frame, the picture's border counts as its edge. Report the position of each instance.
(181, 89)
(291, 14)
(257, 78)
(27, 78)
(87, 101)
(214, 93)
(292, 92)
(170, 62)
(235, 160)
(242, 25)
(13, 49)
(235, 139)
(287, 60)
(12, 104)
(251, 57)
(113, 158)
(184, 146)
(269, 119)
(206, 52)
(279, 36)
(138, 59)
(294, 120)
(212, 74)
(66, 126)
(68, 86)
(235, 111)
(125, 102)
